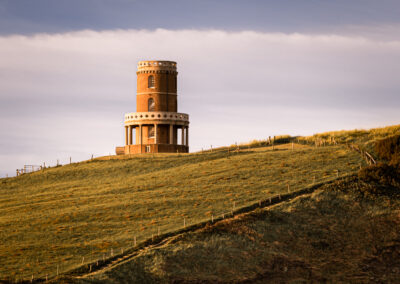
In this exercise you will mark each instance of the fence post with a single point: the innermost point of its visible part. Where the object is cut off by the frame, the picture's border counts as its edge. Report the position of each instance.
(83, 259)
(212, 218)
(134, 240)
(184, 222)
(288, 188)
(70, 160)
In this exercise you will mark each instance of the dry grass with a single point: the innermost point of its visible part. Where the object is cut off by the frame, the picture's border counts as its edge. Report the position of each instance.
(326, 237)
(56, 217)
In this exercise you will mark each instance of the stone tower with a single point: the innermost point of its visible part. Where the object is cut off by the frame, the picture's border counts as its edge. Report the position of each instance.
(156, 121)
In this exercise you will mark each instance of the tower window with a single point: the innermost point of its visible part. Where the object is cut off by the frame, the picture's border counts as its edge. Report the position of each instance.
(151, 81)
(151, 131)
(151, 105)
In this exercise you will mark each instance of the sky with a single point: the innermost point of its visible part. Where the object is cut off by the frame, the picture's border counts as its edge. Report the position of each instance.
(247, 70)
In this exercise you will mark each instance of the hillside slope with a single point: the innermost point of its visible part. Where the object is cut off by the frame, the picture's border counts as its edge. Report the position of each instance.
(332, 235)
(60, 218)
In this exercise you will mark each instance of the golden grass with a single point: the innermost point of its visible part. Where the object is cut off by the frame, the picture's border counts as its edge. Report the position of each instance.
(325, 237)
(60, 215)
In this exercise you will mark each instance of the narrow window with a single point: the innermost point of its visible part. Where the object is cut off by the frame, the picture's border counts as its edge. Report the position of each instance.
(151, 131)
(151, 81)
(148, 149)
(151, 105)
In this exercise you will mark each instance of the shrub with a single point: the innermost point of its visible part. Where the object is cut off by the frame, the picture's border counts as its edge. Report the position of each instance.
(389, 149)
(381, 173)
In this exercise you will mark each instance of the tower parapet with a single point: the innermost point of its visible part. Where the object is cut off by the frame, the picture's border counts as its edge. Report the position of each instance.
(156, 66)
(157, 120)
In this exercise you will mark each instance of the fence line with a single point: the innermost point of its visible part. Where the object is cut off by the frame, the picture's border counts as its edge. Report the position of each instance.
(102, 260)
(369, 159)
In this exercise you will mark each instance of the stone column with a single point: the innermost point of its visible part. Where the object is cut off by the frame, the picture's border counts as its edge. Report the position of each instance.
(183, 135)
(171, 134)
(155, 133)
(126, 135)
(187, 136)
(140, 137)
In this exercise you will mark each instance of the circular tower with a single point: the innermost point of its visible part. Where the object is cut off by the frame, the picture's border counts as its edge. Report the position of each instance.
(156, 122)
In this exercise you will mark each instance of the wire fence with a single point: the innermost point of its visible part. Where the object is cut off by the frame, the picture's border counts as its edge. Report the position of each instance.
(95, 261)
(89, 263)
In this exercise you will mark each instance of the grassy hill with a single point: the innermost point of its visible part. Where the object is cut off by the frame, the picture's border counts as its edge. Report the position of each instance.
(57, 219)
(332, 235)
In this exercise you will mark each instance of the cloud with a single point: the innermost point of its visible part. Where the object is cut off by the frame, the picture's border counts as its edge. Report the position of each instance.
(65, 94)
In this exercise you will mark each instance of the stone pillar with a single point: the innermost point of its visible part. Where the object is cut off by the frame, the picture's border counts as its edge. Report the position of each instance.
(140, 137)
(155, 133)
(183, 135)
(126, 135)
(171, 134)
(187, 136)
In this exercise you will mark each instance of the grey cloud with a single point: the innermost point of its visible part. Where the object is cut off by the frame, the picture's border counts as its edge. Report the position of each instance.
(65, 95)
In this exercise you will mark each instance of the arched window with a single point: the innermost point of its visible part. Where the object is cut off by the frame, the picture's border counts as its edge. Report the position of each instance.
(151, 81)
(151, 105)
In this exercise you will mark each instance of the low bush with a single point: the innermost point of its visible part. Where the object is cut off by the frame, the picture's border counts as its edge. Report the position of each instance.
(389, 149)
(381, 174)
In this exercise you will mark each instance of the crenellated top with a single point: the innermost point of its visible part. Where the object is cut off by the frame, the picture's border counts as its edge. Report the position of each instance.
(156, 66)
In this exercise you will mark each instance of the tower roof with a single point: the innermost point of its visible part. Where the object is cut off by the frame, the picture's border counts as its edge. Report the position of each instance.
(152, 65)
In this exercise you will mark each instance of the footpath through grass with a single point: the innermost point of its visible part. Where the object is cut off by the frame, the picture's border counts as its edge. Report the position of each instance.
(62, 217)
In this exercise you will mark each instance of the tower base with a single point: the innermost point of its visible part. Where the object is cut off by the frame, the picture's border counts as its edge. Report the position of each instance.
(151, 148)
